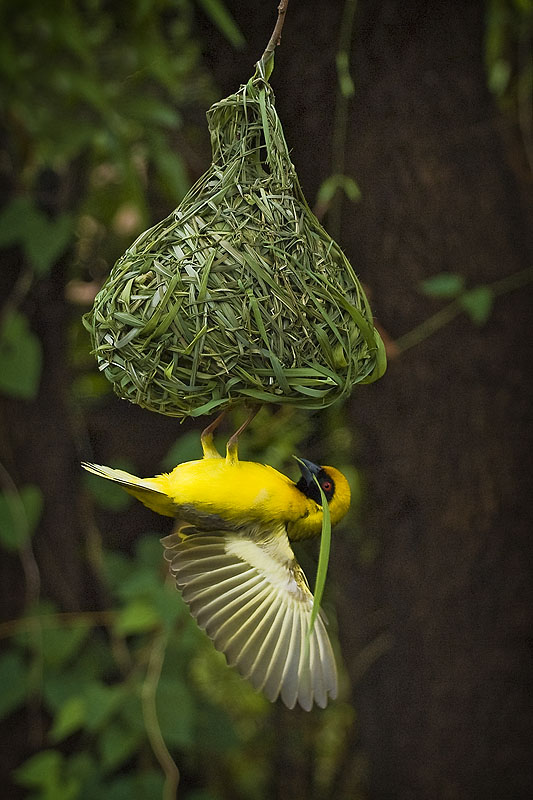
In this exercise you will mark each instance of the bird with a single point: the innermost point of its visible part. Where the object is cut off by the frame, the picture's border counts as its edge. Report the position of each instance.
(231, 558)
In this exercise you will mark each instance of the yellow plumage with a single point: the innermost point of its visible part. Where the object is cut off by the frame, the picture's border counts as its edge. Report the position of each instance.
(231, 557)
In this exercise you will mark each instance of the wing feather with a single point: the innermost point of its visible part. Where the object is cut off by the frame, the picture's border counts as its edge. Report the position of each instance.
(272, 680)
(246, 590)
(264, 656)
(222, 624)
(215, 601)
(234, 631)
(315, 667)
(291, 678)
(253, 640)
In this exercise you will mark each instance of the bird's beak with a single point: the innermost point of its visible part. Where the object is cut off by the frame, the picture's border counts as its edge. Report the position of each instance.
(308, 470)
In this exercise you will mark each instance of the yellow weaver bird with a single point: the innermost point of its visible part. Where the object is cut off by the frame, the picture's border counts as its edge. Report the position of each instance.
(232, 561)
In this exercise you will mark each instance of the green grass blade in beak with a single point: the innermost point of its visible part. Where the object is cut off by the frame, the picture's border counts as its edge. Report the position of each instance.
(323, 559)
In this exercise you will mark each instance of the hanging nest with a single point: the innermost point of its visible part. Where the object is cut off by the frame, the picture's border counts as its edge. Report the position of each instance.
(239, 294)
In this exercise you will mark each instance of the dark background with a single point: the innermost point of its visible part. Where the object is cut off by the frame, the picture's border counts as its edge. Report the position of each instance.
(435, 626)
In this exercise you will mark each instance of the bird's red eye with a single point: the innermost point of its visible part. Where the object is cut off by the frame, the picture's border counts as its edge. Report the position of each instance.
(326, 485)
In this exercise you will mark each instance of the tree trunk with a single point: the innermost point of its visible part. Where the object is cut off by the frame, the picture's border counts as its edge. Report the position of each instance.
(445, 710)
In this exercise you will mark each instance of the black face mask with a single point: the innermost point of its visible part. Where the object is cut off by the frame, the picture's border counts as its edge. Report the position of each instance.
(307, 483)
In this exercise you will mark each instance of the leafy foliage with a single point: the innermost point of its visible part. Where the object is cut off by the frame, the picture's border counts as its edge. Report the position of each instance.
(477, 303)
(19, 515)
(508, 62)
(20, 354)
(444, 285)
(94, 677)
(223, 20)
(93, 672)
(98, 95)
(43, 241)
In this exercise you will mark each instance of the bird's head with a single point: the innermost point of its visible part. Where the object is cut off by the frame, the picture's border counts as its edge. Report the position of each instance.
(337, 492)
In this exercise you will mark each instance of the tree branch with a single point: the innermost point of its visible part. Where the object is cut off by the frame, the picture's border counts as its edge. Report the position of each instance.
(275, 39)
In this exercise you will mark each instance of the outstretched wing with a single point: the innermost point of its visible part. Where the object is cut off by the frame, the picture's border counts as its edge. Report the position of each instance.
(247, 591)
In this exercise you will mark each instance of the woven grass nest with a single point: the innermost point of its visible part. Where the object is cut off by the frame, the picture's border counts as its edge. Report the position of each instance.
(239, 294)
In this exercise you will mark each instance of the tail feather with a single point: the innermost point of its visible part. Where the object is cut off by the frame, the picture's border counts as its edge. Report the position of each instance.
(146, 490)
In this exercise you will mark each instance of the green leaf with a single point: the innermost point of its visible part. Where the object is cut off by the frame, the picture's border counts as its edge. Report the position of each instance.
(69, 719)
(46, 771)
(142, 584)
(219, 14)
(148, 552)
(186, 448)
(445, 285)
(138, 616)
(176, 712)
(19, 514)
(145, 786)
(101, 702)
(215, 730)
(151, 110)
(41, 770)
(60, 645)
(90, 665)
(117, 743)
(13, 679)
(45, 240)
(478, 303)
(117, 568)
(13, 220)
(169, 605)
(329, 188)
(172, 173)
(107, 494)
(32, 500)
(130, 712)
(84, 768)
(20, 358)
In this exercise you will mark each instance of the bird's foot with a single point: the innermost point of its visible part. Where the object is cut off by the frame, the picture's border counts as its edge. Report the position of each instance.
(232, 455)
(206, 438)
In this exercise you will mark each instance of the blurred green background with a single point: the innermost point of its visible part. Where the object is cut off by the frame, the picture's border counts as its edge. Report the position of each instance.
(410, 125)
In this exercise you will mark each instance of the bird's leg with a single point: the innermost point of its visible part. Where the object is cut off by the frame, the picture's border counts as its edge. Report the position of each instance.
(232, 455)
(206, 437)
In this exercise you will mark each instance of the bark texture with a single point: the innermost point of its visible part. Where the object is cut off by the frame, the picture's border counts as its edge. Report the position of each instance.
(435, 628)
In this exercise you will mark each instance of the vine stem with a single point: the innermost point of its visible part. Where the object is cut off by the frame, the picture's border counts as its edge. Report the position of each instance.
(32, 579)
(275, 39)
(151, 722)
(428, 327)
(432, 324)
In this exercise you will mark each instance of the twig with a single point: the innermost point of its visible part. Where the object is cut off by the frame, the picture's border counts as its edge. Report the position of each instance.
(27, 558)
(275, 39)
(430, 326)
(93, 619)
(32, 579)
(151, 722)
(445, 315)
(345, 93)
